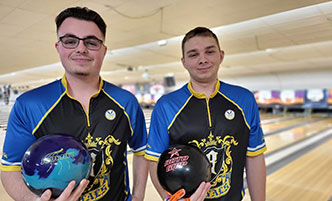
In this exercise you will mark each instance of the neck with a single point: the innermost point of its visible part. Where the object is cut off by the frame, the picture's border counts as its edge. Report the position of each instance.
(82, 84)
(206, 88)
(82, 88)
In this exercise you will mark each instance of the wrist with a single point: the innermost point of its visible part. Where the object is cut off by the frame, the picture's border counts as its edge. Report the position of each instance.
(136, 198)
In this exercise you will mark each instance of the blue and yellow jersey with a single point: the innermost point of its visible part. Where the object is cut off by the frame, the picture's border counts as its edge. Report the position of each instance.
(113, 121)
(225, 126)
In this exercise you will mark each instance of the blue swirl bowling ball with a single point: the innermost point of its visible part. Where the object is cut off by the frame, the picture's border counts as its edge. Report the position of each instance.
(183, 167)
(53, 161)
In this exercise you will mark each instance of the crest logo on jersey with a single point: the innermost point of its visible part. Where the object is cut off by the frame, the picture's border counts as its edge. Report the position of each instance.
(230, 114)
(101, 153)
(110, 114)
(218, 150)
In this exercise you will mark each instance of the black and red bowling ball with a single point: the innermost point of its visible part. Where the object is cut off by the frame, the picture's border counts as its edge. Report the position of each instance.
(53, 161)
(183, 167)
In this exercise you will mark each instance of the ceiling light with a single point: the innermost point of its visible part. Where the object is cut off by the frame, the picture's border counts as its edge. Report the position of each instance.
(145, 76)
(270, 50)
(162, 42)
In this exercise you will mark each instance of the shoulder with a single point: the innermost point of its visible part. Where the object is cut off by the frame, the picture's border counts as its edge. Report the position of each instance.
(178, 96)
(36, 102)
(169, 104)
(230, 89)
(244, 100)
(235, 92)
(117, 93)
(239, 96)
(42, 94)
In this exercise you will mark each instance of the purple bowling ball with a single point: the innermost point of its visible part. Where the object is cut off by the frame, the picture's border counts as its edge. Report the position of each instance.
(53, 161)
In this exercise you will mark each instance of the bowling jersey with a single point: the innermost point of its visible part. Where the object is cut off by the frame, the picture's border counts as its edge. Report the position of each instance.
(114, 120)
(225, 126)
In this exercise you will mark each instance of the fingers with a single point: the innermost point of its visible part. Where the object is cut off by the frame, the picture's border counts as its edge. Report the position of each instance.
(199, 194)
(207, 187)
(201, 191)
(46, 195)
(66, 193)
(79, 190)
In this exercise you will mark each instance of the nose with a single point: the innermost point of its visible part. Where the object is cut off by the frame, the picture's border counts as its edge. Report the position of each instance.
(202, 59)
(81, 47)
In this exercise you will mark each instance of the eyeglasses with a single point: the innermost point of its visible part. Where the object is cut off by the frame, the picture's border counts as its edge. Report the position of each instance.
(90, 42)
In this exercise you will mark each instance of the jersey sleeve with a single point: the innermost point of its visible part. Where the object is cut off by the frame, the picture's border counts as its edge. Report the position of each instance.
(138, 140)
(158, 139)
(256, 144)
(18, 138)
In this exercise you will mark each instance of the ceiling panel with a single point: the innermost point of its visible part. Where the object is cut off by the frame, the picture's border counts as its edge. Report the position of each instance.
(260, 37)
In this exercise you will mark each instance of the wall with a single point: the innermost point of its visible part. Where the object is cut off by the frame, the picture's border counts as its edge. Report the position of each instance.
(310, 80)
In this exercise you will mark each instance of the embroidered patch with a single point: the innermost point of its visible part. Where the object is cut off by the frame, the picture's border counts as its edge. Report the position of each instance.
(229, 114)
(110, 114)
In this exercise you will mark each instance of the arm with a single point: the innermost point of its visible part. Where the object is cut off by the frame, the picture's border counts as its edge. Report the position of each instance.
(140, 173)
(256, 177)
(16, 188)
(154, 179)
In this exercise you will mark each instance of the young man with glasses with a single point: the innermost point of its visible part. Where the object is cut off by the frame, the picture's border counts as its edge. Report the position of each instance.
(105, 117)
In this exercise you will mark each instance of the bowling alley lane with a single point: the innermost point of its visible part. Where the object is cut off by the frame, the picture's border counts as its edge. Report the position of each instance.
(281, 123)
(307, 178)
(265, 116)
(288, 137)
(274, 142)
(270, 117)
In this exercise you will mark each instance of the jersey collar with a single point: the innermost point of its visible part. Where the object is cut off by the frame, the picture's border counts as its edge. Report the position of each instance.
(64, 83)
(202, 95)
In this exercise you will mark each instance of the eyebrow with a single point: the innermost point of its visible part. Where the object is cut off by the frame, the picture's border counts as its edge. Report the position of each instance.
(191, 51)
(211, 46)
(195, 50)
(72, 35)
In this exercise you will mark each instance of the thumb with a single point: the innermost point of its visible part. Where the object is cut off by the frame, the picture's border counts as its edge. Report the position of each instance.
(46, 195)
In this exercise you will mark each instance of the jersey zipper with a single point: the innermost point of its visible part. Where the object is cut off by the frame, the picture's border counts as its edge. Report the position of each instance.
(209, 115)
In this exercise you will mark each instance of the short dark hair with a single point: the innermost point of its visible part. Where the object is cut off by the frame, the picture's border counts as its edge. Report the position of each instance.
(199, 31)
(82, 13)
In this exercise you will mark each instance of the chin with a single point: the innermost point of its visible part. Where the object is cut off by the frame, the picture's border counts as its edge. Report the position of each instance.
(81, 73)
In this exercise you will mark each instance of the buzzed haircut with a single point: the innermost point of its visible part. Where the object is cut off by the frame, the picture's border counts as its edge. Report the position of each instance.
(82, 13)
(198, 31)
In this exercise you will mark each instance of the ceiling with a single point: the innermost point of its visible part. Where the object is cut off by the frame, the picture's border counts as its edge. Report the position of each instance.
(260, 37)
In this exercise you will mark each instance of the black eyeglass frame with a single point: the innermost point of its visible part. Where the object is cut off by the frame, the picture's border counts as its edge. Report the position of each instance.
(79, 39)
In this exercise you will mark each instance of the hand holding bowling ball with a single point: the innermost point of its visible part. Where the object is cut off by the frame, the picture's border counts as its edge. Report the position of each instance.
(183, 167)
(53, 161)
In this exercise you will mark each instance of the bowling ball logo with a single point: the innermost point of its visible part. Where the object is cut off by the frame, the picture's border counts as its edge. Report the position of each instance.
(53, 161)
(183, 167)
